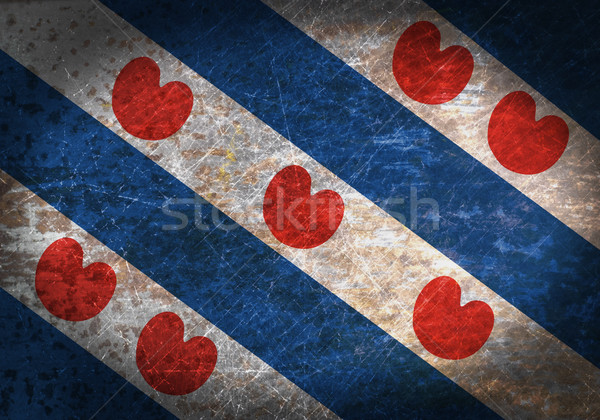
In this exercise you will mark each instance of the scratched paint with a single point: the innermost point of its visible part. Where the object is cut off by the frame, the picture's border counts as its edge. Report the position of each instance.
(366, 267)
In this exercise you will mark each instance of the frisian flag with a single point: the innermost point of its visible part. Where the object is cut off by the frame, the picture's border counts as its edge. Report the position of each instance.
(283, 210)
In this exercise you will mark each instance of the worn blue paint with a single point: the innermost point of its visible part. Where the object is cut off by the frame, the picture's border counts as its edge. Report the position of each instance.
(552, 45)
(45, 375)
(383, 150)
(233, 279)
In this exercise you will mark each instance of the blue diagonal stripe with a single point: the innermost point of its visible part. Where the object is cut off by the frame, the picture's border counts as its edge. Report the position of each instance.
(230, 277)
(384, 151)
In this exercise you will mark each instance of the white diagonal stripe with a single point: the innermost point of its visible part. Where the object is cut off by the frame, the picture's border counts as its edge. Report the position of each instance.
(566, 190)
(241, 385)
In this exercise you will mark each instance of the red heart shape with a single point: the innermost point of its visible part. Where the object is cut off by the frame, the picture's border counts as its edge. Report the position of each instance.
(145, 109)
(295, 217)
(68, 290)
(425, 73)
(445, 328)
(519, 142)
(169, 364)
